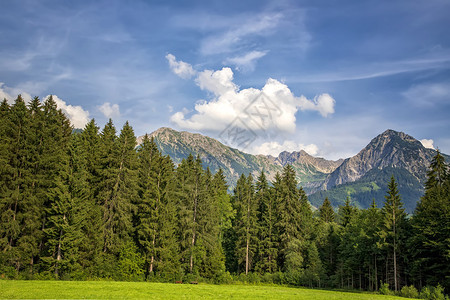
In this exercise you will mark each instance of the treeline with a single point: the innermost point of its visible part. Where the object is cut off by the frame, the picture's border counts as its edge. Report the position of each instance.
(92, 205)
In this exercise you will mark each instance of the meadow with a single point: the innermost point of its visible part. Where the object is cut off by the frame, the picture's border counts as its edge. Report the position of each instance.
(34, 289)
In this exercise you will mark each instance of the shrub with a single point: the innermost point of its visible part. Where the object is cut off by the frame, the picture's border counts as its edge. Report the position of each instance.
(223, 278)
(409, 292)
(433, 293)
(384, 289)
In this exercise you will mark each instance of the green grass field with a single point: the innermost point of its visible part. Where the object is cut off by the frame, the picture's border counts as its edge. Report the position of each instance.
(12, 289)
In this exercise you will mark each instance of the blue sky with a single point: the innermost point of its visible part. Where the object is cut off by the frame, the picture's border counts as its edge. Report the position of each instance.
(336, 73)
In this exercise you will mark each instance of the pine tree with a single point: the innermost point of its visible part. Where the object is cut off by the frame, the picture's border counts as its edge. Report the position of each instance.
(326, 211)
(155, 219)
(56, 139)
(394, 219)
(246, 222)
(88, 151)
(290, 211)
(266, 220)
(431, 225)
(18, 224)
(118, 185)
(190, 192)
(67, 213)
(346, 212)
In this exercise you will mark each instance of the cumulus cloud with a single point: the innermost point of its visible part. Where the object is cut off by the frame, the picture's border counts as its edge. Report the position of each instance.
(180, 68)
(247, 61)
(275, 148)
(11, 94)
(77, 115)
(272, 108)
(323, 103)
(427, 143)
(109, 110)
(218, 82)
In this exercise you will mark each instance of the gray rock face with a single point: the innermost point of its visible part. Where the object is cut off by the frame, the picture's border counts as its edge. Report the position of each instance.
(391, 148)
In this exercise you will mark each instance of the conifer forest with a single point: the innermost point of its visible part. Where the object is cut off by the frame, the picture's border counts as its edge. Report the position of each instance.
(90, 204)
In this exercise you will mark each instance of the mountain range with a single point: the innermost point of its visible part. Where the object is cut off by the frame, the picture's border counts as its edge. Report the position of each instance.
(362, 177)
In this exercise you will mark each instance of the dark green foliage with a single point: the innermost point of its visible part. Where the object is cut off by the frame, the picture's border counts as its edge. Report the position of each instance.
(268, 250)
(326, 211)
(83, 204)
(246, 226)
(371, 186)
(431, 224)
(393, 229)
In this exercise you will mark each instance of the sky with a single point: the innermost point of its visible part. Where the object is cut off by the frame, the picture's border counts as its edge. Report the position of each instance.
(261, 76)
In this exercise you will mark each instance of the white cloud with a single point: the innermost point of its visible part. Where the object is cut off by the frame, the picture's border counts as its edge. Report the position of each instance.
(77, 115)
(11, 94)
(180, 68)
(323, 103)
(275, 148)
(218, 82)
(427, 143)
(109, 110)
(246, 62)
(273, 108)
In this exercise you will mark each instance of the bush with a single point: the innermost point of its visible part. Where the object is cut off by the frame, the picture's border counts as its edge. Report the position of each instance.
(409, 292)
(433, 293)
(223, 278)
(384, 289)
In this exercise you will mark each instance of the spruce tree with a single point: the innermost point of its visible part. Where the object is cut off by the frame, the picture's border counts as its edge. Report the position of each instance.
(346, 212)
(54, 160)
(155, 219)
(246, 223)
(431, 225)
(266, 220)
(190, 192)
(21, 214)
(118, 182)
(394, 219)
(89, 152)
(289, 208)
(326, 211)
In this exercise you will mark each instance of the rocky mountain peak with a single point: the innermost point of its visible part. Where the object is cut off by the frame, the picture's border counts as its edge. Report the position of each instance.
(389, 149)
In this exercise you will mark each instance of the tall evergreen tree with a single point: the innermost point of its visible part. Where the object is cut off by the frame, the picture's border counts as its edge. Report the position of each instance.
(289, 209)
(155, 219)
(394, 219)
(26, 210)
(266, 220)
(190, 192)
(345, 212)
(88, 152)
(246, 223)
(66, 214)
(119, 185)
(326, 211)
(431, 224)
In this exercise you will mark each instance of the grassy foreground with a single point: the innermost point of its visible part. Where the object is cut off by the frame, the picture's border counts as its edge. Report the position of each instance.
(10, 289)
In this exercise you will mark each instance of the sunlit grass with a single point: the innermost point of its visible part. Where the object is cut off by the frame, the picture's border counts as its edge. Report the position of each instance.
(18, 289)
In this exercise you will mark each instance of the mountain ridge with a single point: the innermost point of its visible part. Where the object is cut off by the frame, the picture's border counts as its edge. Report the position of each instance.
(214, 154)
(361, 176)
